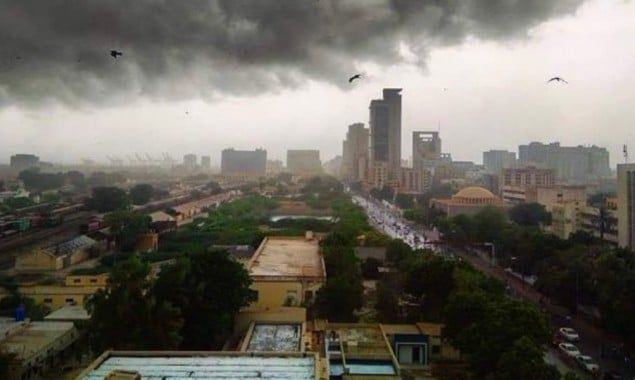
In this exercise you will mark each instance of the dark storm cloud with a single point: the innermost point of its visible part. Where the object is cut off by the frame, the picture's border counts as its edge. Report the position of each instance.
(54, 50)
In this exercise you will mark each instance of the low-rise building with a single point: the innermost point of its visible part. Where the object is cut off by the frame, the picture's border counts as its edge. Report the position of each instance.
(205, 365)
(55, 257)
(35, 347)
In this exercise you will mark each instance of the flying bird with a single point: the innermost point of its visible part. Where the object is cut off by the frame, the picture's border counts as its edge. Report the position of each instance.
(557, 79)
(115, 53)
(356, 76)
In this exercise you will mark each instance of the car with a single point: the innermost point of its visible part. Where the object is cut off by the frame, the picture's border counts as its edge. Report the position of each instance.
(570, 334)
(587, 363)
(569, 350)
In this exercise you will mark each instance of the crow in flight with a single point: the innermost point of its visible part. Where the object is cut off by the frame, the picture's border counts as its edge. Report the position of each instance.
(115, 53)
(557, 79)
(356, 76)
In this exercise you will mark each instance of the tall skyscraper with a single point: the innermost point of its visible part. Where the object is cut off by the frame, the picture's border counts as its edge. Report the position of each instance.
(355, 152)
(426, 149)
(497, 160)
(243, 162)
(626, 205)
(385, 130)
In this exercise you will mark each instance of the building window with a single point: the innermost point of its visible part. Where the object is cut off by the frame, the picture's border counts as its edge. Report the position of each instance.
(76, 281)
(70, 301)
(93, 280)
(436, 350)
(254, 295)
(48, 300)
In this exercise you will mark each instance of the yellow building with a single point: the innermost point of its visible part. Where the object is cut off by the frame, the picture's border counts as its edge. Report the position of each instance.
(75, 290)
(566, 218)
(286, 273)
(469, 201)
(55, 257)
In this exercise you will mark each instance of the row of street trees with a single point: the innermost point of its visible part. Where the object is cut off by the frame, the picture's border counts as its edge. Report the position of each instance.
(502, 338)
(581, 270)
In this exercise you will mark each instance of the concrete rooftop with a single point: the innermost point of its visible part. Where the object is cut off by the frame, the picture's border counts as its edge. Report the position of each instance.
(280, 256)
(32, 337)
(204, 365)
(275, 337)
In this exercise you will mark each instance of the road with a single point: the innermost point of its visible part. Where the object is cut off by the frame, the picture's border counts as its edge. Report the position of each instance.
(592, 339)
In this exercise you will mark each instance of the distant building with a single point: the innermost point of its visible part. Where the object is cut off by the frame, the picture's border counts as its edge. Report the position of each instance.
(206, 162)
(355, 150)
(274, 167)
(414, 181)
(519, 184)
(571, 164)
(24, 161)
(495, 161)
(385, 131)
(548, 196)
(626, 205)
(566, 218)
(244, 162)
(304, 161)
(333, 166)
(469, 201)
(426, 149)
(190, 161)
(55, 257)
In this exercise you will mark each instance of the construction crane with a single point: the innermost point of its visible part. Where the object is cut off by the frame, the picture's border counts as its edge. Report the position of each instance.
(115, 161)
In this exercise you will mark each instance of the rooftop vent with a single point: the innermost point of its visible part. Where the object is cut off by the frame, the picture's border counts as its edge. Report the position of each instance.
(120, 374)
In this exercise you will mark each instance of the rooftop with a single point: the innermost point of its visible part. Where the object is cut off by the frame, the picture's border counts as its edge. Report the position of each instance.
(69, 313)
(71, 245)
(281, 256)
(204, 365)
(33, 337)
(275, 337)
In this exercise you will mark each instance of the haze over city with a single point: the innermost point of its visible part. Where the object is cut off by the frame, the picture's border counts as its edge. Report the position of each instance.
(477, 73)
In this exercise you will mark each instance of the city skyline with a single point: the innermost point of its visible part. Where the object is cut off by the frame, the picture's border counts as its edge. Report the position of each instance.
(477, 82)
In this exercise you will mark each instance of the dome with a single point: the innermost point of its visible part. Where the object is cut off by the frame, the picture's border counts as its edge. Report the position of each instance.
(474, 192)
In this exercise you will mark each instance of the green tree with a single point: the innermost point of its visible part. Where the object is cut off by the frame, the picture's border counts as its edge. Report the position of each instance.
(209, 289)
(398, 251)
(141, 194)
(126, 227)
(75, 178)
(530, 214)
(107, 199)
(338, 299)
(126, 316)
(525, 361)
(214, 187)
(387, 305)
(34, 180)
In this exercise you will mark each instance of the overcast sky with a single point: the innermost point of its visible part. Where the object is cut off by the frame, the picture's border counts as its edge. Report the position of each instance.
(200, 76)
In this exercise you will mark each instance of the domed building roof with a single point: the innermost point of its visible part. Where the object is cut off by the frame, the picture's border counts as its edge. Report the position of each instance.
(475, 195)
(474, 192)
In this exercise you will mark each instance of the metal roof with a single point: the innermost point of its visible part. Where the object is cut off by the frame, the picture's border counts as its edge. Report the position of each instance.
(216, 366)
(65, 248)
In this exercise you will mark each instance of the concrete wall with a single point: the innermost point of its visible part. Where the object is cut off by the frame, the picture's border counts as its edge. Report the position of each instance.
(274, 293)
(38, 261)
(86, 280)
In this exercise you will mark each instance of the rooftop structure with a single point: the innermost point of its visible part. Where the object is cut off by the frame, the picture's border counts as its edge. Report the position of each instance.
(80, 242)
(274, 337)
(204, 365)
(293, 257)
(35, 344)
(69, 313)
(359, 350)
(469, 201)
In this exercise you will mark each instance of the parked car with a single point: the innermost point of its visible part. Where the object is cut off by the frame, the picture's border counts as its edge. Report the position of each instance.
(569, 350)
(587, 363)
(569, 333)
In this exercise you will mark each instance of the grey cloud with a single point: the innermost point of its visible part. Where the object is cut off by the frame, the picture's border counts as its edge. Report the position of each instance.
(196, 48)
